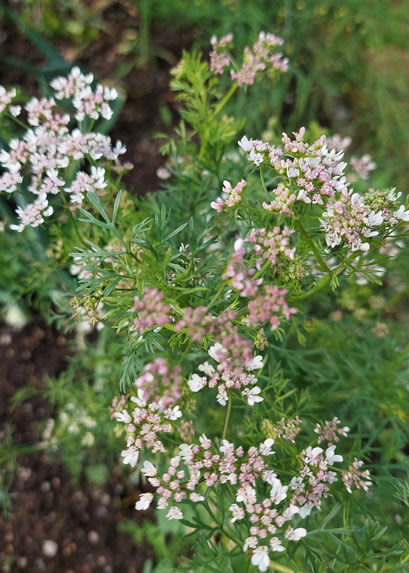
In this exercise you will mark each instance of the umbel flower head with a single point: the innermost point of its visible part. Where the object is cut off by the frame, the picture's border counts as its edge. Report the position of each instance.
(52, 144)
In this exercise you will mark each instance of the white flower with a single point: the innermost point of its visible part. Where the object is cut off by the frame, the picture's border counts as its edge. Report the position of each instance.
(163, 173)
(237, 511)
(119, 148)
(265, 447)
(306, 509)
(276, 545)
(278, 491)
(292, 172)
(295, 534)
(245, 144)
(173, 413)
(311, 455)
(139, 401)
(269, 475)
(250, 543)
(374, 219)
(215, 350)
(206, 368)
(256, 158)
(15, 110)
(174, 513)
(186, 452)
(222, 396)
(226, 447)
(148, 469)
(248, 496)
(260, 558)
(252, 395)
(256, 363)
(144, 501)
(205, 442)
(123, 417)
(402, 214)
(196, 497)
(332, 457)
(296, 483)
(196, 383)
(130, 456)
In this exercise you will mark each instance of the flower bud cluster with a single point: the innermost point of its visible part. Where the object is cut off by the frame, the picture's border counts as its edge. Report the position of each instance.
(151, 311)
(330, 432)
(232, 196)
(88, 102)
(272, 246)
(218, 57)
(261, 56)
(355, 478)
(312, 171)
(238, 273)
(288, 429)
(270, 307)
(197, 322)
(159, 384)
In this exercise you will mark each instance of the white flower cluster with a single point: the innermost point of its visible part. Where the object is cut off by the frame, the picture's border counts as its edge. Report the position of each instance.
(41, 161)
(314, 174)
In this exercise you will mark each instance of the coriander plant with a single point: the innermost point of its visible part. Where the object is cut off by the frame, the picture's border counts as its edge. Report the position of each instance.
(222, 292)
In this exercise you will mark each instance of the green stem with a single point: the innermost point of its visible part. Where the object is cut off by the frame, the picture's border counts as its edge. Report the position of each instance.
(227, 419)
(263, 183)
(261, 271)
(281, 568)
(225, 99)
(72, 220)
(324, 281)
(216, 296)
(319, 286)
(16, 120)
(314, 249)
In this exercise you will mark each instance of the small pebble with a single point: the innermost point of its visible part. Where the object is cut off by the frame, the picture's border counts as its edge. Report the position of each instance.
(45, 486)
(93, 537)
(24, 473)
(50, 548)
(56, 482)
(6, 338)
(22, 562)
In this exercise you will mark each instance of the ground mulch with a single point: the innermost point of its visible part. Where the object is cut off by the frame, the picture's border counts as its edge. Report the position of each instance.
(81, 520)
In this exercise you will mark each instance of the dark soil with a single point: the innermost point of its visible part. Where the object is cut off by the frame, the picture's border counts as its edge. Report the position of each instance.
(143, 77)
(46, 506)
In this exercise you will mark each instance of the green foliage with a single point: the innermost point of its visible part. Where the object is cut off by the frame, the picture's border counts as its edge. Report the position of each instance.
(343, 355)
